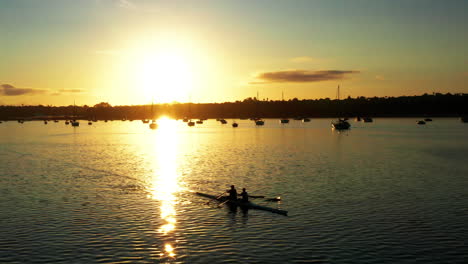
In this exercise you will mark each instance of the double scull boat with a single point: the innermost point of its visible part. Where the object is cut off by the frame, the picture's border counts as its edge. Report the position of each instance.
(248, 205)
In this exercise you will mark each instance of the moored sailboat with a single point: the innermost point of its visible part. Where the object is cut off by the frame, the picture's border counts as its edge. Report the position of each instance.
(153, 124)
(341, 123)
(74, 122)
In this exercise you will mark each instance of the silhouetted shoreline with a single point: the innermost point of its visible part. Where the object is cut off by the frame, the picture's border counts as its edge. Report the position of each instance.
(435, 105)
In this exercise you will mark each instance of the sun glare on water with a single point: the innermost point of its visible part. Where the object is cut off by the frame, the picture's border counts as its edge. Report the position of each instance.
(165, 181)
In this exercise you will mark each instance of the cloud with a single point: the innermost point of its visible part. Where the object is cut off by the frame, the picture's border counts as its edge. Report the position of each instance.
(10, 90)
(302, 59)
(302, 76)
(71, 91)
(126, 4)
(120, 3)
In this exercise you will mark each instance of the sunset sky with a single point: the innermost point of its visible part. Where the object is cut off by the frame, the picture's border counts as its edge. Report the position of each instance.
(135, 51)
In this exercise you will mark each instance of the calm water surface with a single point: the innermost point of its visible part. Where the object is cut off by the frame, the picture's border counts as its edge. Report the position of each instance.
(118, 192)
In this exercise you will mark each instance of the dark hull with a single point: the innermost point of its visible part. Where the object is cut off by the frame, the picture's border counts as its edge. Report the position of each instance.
(341, 125)
(248, 205)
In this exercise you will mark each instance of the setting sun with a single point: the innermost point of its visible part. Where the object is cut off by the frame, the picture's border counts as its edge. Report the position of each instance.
(165, 76)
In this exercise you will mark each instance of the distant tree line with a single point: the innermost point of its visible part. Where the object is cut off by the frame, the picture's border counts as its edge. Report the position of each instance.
(436, 104)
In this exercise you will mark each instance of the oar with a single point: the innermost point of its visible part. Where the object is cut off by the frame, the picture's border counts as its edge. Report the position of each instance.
(221, 195)
(221, 204)
(276, 199)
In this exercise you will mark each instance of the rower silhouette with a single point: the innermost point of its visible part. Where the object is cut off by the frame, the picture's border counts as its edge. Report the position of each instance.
(244, 196)
(232, 194)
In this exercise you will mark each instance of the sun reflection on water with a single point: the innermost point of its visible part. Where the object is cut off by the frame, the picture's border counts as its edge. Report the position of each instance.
(165, 183)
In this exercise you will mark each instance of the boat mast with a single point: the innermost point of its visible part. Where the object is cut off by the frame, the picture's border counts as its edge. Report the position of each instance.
(152, 114)
(257, 106)
(338, 93)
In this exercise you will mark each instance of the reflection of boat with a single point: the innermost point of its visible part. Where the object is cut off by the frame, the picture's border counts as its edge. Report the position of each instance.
(191, 123)
(367, 119)
(428, 119)
(464, 119)
(248, 205)
(145, 121)
(306, 120)
(421, 122)
(199, 121)
(284, 121)
(234, 124)
(358, 118)
(223, 121)
(153, 125)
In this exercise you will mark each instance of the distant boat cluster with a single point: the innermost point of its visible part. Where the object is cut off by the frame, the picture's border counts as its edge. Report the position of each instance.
(339, 124)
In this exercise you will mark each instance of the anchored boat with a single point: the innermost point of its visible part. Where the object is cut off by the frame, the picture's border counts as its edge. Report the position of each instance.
(248, 205)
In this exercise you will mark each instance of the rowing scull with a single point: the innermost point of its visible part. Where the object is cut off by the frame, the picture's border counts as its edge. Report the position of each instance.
(248, 205)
